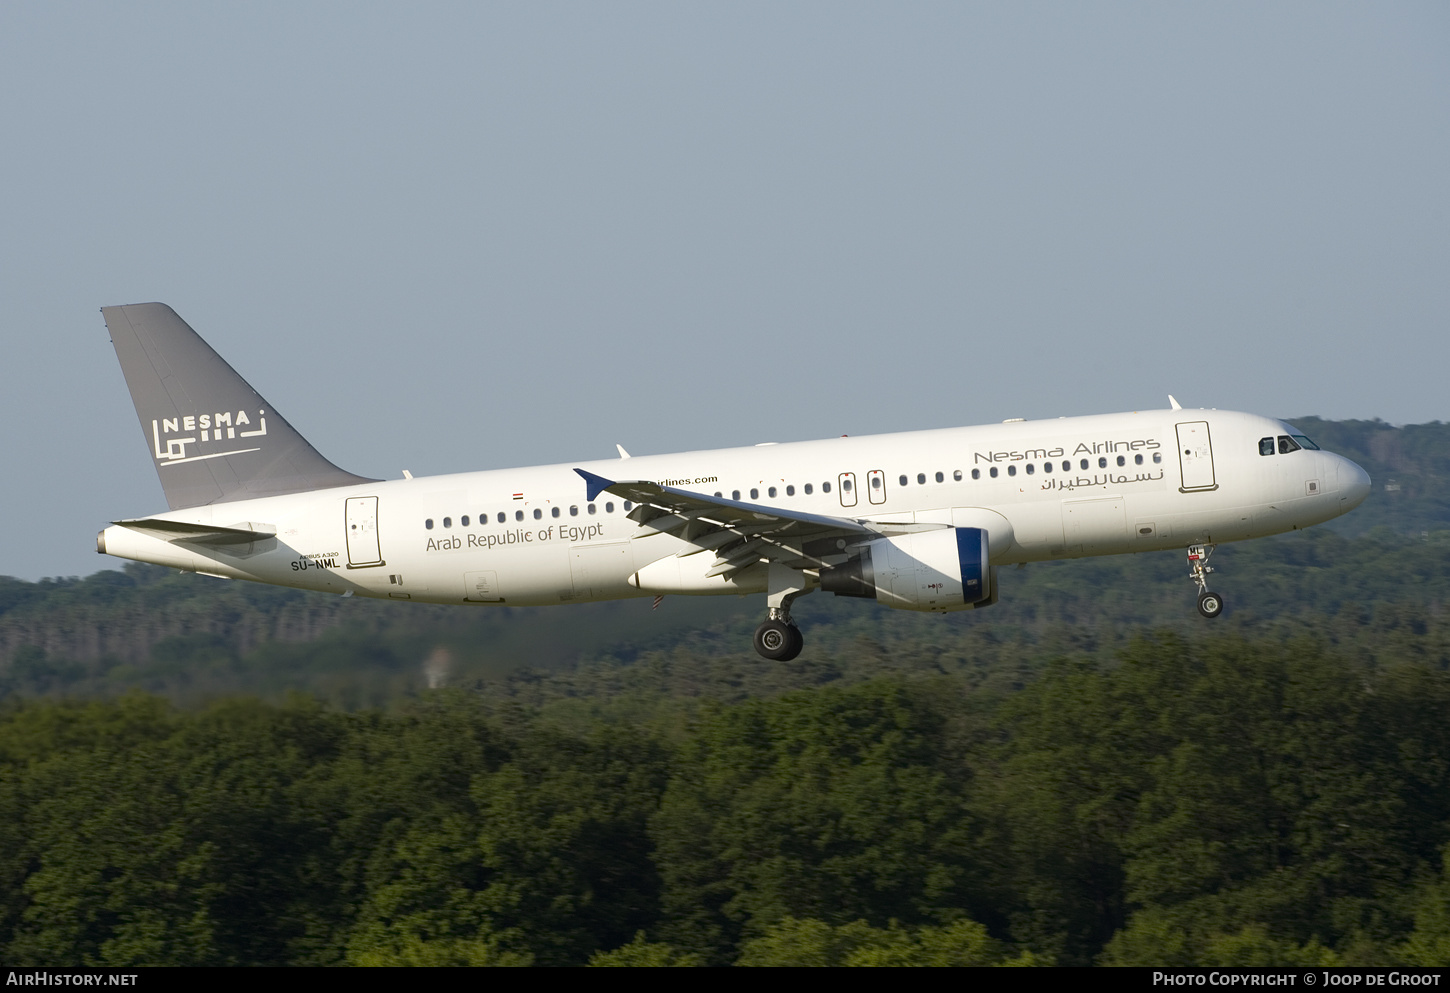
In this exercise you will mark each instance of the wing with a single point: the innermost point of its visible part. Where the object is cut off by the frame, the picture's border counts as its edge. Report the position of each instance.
(742, 534)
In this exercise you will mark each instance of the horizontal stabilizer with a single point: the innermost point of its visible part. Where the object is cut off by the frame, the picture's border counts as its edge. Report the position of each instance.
(200, 534)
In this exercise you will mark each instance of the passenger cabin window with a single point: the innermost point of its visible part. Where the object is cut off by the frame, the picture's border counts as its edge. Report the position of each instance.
(1047, 467)
(1011, 470)
(428, 524)
(735, 494)
(1031, 468)
(463, 520)
(900, 480)
(825, 487)
(993, 472)
(502, 517)
(1266, 446)
(609, 508)
(1083, 464)
(1157, 457)
(1067, 465)
(574, 511)
(554, 511)
(876, 482)
(538, 513)
(518, 515)
(790, 491)
(921, 479)
(976, 473)
(957, 475)
(770, 492)
(845, 485)
(628, 506)
(590, 507)
(1287, 445)
(1137, 460)
(808, 489)
(754, 493)
(1122, 461)
(1102, 462)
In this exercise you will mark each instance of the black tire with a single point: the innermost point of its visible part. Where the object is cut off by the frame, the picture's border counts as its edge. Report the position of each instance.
(1210, 604)
(797, 642)
(778, 641)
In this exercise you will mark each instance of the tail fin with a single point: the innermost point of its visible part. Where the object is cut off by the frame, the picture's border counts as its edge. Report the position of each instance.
(213, 437)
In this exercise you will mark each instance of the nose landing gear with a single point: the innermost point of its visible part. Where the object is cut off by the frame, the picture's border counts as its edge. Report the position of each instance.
(1209, 604)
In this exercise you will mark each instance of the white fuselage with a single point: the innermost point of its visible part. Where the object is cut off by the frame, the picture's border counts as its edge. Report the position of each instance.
(1041, 489)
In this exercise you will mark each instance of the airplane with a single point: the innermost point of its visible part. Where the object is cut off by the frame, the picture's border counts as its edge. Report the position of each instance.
(919, 521)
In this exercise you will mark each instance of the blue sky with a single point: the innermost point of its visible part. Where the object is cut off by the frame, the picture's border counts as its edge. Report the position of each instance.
(447, 237)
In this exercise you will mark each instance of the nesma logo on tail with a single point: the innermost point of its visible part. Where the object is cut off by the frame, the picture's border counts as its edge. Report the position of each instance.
(211, 428)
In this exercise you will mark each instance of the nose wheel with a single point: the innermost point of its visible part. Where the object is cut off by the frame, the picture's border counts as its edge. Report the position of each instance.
(1209, 604)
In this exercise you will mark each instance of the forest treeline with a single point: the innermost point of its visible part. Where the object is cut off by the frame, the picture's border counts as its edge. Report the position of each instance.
(201, 772)
(1191, 801)
(1363, 595)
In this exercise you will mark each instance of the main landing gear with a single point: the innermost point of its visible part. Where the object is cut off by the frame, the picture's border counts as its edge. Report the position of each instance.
(778, 639)
(1209, 604)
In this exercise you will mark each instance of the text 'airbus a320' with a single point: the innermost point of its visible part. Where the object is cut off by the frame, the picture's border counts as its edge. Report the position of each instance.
(915, 521)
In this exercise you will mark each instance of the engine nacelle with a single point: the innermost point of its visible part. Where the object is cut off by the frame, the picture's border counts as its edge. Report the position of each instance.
(946, 569)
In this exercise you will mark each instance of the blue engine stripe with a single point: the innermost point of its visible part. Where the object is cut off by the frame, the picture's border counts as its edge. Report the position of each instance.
(970, 544)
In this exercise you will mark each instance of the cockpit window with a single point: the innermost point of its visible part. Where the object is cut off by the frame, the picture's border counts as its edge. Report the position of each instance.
(1305, 442)
(1266, 446)
(1287, 445)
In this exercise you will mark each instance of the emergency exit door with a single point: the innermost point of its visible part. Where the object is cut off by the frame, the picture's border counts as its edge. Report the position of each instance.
(876, 486)
(1195, 457)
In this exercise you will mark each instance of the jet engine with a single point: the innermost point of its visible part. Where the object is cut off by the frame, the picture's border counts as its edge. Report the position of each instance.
(945, 569)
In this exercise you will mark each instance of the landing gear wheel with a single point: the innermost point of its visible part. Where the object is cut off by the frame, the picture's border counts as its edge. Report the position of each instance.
(1210, 604)
(778, 641)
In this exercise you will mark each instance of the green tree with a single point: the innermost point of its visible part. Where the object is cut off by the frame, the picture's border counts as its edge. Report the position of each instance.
(1429, 943)
(832, 805)
(641, 953)
(795, 942)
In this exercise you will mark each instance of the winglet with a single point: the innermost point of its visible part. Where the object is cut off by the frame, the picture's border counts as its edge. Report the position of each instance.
(595, 484)
(1175, 403)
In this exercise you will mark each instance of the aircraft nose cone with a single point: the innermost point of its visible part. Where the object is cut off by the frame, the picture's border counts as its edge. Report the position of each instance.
(1353, 484)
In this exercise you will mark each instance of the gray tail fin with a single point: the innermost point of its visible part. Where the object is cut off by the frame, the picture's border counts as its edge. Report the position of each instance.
(213, 438)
